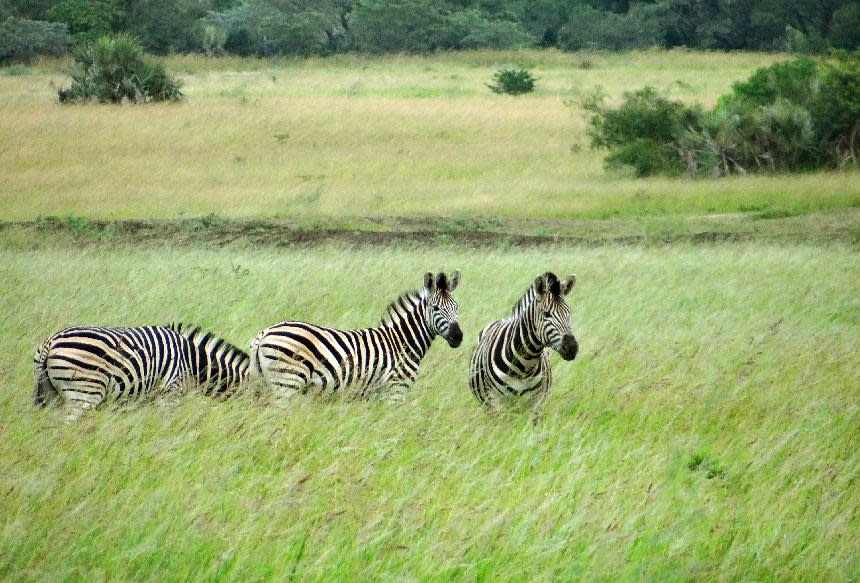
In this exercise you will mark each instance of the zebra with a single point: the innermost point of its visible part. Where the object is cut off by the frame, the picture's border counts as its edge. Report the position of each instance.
(509, 361)
(85, 365)
(298, 358)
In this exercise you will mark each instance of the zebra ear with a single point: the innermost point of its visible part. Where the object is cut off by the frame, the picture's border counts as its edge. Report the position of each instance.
(453, 281)
(540, 285)
(428, 281)
(567, 284)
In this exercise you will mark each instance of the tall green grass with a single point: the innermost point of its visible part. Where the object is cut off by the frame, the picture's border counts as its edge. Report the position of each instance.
(358, 136)
(708, 430)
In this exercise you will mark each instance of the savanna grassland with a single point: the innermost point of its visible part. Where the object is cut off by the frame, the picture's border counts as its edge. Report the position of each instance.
(708, 430)
(357, 137)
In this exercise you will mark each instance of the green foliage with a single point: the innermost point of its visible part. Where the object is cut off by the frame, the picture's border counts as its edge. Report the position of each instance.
(115, 69)
(469, 29)
(795, 81)
(642, 132)
(590, 29)
(513, 81)
(836, 108)
(87, 19)
(213, 39)
(322, 27)
(16, 70)
(412, 26)
(265, 28)
(790, 116)
(21, 40)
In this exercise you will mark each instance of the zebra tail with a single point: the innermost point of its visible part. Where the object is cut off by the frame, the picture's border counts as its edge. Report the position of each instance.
(43, 390)
(256, 369)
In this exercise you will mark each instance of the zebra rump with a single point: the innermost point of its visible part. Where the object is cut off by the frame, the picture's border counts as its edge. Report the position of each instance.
(86, 365)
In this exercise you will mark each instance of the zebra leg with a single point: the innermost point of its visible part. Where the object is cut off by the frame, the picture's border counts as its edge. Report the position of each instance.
(79, 394)
(395, 394)
(77, 403)
(284, 388)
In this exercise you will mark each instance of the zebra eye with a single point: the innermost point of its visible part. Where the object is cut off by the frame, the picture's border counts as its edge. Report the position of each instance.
(546, 314)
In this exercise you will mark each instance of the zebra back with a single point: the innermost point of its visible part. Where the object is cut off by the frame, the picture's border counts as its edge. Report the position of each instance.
(217, 366)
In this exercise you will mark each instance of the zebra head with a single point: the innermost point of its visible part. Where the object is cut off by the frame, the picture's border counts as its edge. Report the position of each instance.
(552, 314)
(441, 313)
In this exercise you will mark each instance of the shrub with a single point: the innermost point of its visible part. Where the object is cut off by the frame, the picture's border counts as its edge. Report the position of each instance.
(643, 132)
(795, 81)
(21, 40)
(513, 81)
(115, 69)
(790, 116)
(836, 109)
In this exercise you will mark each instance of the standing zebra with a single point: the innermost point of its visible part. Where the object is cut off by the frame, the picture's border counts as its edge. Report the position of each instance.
(509, 360)
(86, 365)
(295, 357)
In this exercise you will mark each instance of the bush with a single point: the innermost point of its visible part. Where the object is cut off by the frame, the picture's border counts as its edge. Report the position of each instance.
(790, 116)
(643, 132)
(513, 81)
(115, 69)
(836, 109)
(21, 40)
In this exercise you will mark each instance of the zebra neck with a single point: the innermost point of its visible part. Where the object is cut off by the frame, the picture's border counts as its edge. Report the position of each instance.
(524, 341)
(406, 328)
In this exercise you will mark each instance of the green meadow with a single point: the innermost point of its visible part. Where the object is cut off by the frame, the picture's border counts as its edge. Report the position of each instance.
(707, 431)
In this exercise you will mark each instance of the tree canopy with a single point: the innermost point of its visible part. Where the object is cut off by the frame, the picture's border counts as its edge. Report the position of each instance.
(308, 27)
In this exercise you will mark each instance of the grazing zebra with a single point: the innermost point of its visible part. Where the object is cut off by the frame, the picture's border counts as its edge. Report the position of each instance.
(509, 360)
(86, 365)
(295, 357)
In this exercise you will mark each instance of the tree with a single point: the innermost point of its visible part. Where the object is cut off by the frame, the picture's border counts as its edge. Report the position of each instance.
(412, 26)
(87, 20)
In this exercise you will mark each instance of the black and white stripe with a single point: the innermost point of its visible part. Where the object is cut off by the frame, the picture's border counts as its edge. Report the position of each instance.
(510, 361)
(296, 357)
(84, 366)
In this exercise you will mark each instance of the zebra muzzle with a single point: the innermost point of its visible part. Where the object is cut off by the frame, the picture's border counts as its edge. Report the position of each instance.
(569, 347)
(455, 335)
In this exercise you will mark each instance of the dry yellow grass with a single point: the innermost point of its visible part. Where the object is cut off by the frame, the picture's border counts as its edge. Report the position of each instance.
(355, 136)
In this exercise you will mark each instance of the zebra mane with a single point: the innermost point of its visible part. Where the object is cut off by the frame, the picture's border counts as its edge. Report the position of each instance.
(410, 299)
(196, 335)
(525, 302)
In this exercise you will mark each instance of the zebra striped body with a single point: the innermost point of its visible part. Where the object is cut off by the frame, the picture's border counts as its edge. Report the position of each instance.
(297, 358)
(84, 366)
(510, 361)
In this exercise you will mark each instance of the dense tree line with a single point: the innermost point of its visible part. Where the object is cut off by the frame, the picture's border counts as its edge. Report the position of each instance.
(321, 27)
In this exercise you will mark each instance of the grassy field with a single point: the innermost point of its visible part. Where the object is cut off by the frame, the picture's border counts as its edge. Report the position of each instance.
(357, 137)
(708, 431)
